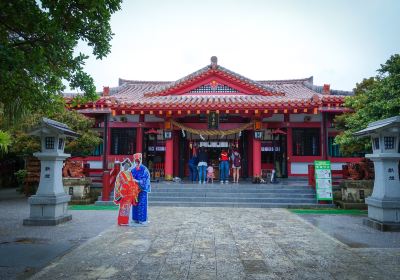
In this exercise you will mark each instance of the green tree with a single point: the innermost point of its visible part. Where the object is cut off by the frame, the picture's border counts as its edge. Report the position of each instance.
(25, 144)
(375, 98)
(5, 141)
(37, 42)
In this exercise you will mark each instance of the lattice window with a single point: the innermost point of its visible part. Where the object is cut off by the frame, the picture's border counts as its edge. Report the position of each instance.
(389, 143)
(49, 143)
(306, 141)
(209, 88)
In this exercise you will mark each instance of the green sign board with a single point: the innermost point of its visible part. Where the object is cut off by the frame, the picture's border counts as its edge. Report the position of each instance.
(323, 179)
(213, 120)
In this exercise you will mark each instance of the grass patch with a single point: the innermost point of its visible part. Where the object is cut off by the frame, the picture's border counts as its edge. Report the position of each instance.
(329, 211)
(93, 207)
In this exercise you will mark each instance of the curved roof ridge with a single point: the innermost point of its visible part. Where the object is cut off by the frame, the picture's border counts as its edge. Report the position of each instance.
(299, 80)
(246, 79)
(319, 89)
(126, 81)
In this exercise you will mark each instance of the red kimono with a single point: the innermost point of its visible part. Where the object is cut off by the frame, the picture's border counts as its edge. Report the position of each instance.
(125, 195)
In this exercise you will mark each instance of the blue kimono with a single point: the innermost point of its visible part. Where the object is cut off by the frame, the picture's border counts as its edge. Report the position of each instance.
(139, 212)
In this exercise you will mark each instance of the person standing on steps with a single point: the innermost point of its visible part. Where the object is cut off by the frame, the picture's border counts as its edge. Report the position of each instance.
(193, 161)
(202, 165)
(236, 165)
(224, 167)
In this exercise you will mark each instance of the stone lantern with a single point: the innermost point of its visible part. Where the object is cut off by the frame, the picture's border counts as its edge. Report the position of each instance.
(49, 205)
(384, 204)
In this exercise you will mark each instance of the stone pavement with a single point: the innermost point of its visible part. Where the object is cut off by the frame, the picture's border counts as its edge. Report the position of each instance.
(221, 243)
(25, 249)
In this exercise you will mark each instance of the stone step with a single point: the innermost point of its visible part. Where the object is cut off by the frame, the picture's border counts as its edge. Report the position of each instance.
(231, 191)
(241, 205)
(229, 194)
(230, 185)
(233, 199)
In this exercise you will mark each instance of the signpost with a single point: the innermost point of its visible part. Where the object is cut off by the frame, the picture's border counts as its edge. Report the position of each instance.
(323, 180)
(213, 120)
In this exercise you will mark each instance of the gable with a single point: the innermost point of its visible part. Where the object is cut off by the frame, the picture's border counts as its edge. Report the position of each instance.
(215, 79)
(214, 87)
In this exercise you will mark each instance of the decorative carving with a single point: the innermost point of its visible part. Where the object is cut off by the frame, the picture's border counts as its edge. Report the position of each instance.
(363, 170)
(73, 169)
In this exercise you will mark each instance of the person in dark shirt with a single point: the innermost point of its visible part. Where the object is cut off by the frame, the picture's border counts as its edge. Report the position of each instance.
(193, 161)
(202, 165)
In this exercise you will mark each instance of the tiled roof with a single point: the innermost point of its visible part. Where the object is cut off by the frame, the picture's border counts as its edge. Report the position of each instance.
(158, 95)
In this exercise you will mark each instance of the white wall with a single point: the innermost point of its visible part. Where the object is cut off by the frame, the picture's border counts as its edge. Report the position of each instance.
(95, 164)
(302, 167)
(299, 168)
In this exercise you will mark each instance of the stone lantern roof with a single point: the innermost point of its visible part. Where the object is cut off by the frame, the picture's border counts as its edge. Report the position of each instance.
(375, 127)
(49, 126)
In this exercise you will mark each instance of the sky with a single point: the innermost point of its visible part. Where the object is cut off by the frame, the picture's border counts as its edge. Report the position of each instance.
(338, 42)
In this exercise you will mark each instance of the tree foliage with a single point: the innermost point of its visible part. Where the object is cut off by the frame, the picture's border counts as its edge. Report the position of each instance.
(5, 141)
(375, 98)
(25, 144)
(37, 42)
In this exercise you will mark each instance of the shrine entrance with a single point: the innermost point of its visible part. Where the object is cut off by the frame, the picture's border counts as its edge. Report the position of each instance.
(213, 146)
(274, 152)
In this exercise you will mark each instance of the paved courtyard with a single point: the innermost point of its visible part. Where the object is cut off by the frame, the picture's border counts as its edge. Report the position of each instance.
(222, 243)
(195, 243)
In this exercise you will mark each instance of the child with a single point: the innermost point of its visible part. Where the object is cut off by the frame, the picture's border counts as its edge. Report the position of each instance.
(210, 174)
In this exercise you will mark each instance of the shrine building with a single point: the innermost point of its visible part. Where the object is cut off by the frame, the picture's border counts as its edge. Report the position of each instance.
(280, 124)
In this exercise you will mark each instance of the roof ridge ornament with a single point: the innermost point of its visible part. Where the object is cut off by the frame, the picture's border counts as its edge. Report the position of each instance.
(214, 62)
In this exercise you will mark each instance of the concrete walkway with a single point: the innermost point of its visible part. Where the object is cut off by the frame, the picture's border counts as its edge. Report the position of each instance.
(221, 243)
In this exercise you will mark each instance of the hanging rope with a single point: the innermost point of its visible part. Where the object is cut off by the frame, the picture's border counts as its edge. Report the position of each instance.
(212, 132)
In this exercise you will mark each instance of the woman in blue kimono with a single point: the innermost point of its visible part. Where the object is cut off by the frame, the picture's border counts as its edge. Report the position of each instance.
(142, 176)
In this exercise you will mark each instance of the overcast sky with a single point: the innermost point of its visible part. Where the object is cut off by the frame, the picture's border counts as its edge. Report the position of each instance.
(339, 42)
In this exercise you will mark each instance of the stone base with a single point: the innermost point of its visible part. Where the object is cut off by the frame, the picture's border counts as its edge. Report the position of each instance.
(47, 221)
(48, 210)
(387, 210)
(381, 225)
(350, 205)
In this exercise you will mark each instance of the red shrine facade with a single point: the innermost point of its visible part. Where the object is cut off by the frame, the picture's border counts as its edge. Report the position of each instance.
(282, 124)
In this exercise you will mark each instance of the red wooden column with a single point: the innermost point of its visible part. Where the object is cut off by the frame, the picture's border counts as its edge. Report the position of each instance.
(289, 150)
(139, 135)
(169, 153)
(256, 157)
(139, 140)
(169, 159)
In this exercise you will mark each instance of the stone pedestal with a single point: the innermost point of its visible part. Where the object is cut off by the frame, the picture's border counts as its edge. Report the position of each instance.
(384, 204)
(49, 206)
(48, 210)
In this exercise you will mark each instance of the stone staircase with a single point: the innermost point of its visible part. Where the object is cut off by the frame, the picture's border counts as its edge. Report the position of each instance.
(286, 194)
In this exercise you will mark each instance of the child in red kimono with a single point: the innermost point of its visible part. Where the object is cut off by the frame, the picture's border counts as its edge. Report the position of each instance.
(126, 193)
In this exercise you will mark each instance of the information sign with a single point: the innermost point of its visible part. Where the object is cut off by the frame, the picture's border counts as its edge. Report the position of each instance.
(323, 179)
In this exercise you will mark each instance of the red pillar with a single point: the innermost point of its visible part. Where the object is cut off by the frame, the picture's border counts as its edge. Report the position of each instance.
(105, 195)
(139, 140)
(256, 157)
(169, 159)
(289, 150)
